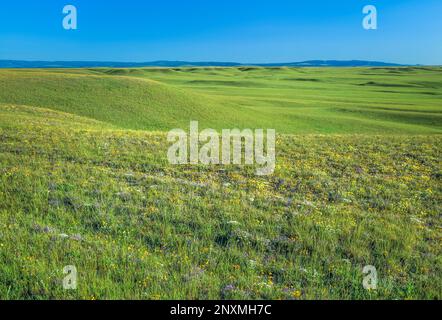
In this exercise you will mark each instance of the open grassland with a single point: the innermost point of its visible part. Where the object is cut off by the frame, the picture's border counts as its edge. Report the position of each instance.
(85, 181)
(290, 100)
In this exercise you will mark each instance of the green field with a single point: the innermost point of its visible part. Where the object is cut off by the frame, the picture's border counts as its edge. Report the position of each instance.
(85, 181)
(290, 100)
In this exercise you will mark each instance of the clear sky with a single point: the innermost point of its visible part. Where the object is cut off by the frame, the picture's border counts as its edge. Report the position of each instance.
(254, 31)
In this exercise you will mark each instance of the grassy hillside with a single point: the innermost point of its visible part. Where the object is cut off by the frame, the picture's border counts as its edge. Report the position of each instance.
(291, 100)
(85, 181)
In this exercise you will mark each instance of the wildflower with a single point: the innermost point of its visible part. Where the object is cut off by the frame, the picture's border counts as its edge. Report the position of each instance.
(228, 288)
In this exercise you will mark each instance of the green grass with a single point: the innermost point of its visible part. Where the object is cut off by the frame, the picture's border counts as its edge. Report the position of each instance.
(290, 100)
(357, 182)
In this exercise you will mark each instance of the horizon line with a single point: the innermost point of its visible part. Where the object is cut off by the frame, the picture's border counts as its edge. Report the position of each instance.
(17, 63)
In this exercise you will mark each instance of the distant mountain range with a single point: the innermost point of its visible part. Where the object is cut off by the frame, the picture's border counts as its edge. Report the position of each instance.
(97, 64)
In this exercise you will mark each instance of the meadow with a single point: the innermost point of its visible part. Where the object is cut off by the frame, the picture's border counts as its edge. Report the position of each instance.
(85, 181)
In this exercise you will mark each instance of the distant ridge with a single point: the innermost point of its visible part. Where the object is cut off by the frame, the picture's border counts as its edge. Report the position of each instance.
(98, 64)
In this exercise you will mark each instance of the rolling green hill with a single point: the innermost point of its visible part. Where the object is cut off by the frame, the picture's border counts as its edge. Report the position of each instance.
(290, 100)
(85, 181)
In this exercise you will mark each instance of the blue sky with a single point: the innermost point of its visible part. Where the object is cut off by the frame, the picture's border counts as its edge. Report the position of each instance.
(255, 31)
